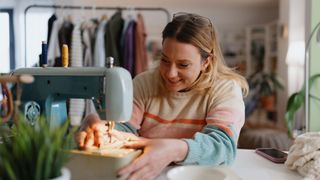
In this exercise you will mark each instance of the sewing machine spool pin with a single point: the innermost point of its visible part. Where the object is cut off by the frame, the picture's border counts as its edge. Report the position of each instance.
(111, 125)
(109, 62)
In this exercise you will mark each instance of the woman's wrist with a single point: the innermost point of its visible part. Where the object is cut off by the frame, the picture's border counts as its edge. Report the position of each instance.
(181, 151)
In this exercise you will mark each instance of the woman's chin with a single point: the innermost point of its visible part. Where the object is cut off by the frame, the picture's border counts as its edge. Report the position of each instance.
(173, 88)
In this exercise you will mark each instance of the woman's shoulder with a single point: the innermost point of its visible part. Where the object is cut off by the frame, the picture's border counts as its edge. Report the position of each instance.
(147, 81)
(226, 83)
(224, 90)
(226, 86)
(146, 76)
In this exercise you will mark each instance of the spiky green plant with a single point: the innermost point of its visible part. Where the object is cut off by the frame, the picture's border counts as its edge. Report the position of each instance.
(34, 152)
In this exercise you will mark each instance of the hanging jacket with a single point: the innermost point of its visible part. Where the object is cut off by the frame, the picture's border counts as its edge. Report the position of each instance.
(113, 36)
(50, 26)
(141, 60)
(53, 47)
(129, 48)
(99, 50)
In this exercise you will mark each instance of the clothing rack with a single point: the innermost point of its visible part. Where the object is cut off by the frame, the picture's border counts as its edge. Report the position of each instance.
(84, 8)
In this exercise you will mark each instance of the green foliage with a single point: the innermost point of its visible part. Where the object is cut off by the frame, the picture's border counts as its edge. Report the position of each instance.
(295, 101)
(34, 152)
(267, 83)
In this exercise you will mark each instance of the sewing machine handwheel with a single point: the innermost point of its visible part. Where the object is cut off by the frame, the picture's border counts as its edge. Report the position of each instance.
(32, 112)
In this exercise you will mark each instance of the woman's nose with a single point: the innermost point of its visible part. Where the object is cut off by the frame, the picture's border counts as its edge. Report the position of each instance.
(172, 72)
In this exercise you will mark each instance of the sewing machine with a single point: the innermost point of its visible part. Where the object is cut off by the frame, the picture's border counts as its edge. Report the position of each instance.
(109, 88)
(111, 91)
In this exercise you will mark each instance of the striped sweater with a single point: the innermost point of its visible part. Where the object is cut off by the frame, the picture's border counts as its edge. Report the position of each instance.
(209, 122)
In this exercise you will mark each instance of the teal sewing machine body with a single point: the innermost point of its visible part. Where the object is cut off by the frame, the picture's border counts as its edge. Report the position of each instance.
(109, 88)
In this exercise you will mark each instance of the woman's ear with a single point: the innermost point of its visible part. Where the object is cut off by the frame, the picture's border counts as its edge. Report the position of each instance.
(205, 63)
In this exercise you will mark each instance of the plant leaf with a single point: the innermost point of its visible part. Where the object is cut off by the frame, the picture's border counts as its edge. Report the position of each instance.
(37, 152)
(294, 103)
(296, 100)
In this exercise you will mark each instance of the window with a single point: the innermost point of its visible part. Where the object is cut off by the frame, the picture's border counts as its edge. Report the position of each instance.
(36, 31)
(6, 41)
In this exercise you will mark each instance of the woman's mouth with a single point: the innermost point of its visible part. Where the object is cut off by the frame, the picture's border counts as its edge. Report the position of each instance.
(173, 83)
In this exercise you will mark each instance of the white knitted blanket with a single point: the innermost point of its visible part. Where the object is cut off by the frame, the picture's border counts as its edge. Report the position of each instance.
(304, 155)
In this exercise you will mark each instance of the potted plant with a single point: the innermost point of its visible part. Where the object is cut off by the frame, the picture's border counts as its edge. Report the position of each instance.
(34, 151)
(267, 84)
(295, 101)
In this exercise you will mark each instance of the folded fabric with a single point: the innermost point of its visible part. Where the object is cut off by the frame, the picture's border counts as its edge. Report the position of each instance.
(304, 155)
(311, 170)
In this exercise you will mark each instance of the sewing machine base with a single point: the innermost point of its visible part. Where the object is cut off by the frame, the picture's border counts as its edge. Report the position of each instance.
(86, 165)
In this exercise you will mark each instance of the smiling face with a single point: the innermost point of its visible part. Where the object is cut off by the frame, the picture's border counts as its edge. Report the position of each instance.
(180, 65)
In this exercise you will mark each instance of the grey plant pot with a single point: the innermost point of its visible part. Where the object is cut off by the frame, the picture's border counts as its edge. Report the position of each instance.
(65, 175)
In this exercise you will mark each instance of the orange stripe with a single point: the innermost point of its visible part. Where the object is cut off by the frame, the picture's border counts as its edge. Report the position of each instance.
(184, 121)
(219, 121)
(224, 128)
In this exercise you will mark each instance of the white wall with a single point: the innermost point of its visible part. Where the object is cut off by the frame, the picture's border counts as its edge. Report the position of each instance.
(228, 16)
(282, 65)
(225, 16)
(7, 3)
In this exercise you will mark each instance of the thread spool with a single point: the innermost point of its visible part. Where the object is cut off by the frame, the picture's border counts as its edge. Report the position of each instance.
(65, 55)
(44, 54)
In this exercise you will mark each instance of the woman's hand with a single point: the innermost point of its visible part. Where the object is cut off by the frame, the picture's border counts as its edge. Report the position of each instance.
(91, 132)
(157, 154)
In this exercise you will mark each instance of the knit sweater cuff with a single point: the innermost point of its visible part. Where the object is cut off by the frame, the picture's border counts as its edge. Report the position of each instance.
(193, 155)
(126, 127)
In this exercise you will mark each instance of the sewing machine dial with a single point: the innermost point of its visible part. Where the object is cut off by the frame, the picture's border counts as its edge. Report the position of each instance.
(32, 112)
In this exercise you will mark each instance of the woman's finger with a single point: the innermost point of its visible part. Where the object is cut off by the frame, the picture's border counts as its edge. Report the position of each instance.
(138, 163)
(141, 173)
(80, 138)
(136, 144)
(98, 138)
(89, 142)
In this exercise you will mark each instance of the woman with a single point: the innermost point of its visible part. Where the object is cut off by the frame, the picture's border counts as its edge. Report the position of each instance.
(187, 111)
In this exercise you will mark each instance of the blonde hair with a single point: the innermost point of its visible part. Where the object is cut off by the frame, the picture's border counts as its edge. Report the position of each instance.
(199, 31)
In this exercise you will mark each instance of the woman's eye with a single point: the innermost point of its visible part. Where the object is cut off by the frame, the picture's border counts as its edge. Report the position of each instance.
(164, 61)
(183, 65)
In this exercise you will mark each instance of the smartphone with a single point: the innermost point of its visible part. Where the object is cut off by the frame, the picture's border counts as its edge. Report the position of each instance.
(272, 154)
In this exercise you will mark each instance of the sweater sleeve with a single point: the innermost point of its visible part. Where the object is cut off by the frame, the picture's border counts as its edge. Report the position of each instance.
(216, 144)
(210, 147)
(126, 127)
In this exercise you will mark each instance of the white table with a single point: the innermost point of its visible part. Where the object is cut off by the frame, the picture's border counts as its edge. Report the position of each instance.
(250, 166)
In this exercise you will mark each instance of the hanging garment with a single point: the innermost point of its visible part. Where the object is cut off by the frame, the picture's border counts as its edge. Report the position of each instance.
(76, 47)
(50, 26)
(124, 29)
(87, 58)
(88, 37)
(141, 60)
(99, 50)
(92, 28)
(53, 48)
(113, 36)
(76, 107)
(88, 32)
(128, 49)
(64, 34)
